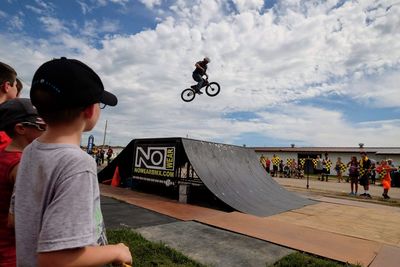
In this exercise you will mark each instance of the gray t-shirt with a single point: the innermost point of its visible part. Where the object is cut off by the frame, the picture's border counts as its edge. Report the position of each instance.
(57, 201)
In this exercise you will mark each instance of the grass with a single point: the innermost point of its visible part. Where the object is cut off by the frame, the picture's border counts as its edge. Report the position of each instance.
(300, 259)
(146, 253)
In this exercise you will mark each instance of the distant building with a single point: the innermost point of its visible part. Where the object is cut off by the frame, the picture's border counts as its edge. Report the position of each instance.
(293, 152)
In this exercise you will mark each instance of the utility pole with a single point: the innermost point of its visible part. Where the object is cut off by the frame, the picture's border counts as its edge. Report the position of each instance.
(105, 133)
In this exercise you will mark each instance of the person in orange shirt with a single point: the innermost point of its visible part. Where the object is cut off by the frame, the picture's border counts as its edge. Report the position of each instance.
(384, 170)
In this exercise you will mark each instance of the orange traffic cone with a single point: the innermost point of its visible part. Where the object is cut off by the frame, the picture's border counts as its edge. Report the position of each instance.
(116, 180)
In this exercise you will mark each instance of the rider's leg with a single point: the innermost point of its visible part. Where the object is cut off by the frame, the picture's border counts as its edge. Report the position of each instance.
(199, 80)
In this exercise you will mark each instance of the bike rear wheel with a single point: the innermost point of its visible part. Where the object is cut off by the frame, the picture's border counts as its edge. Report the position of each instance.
(188, 95)
(212, 89)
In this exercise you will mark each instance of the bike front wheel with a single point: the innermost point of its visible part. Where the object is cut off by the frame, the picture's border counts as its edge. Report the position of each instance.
(212, 89)
(188, 95)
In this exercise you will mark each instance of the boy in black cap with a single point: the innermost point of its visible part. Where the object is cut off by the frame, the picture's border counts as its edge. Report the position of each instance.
(20, 120)
(58, 220)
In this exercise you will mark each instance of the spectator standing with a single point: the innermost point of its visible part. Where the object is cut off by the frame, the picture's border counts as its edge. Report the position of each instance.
(102, 153)
(109, 154)
(390, 163)
(365, 169)
(281, 165)
(338, 168)
(353, 174)
(10, 88)
(373, 171)
(58, 219)
(267, 164)
(384, 170)
(20, 120)
(319, 167)
(326, 168)
(275, 165)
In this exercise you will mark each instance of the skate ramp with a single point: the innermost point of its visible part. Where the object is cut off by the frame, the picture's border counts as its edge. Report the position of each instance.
(235, 176)
(232, 173)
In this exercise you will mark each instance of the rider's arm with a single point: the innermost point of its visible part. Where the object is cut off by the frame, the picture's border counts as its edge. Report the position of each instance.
(197, 65)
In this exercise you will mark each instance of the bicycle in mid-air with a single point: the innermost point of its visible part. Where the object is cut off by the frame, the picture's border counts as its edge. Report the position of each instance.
(212, 89)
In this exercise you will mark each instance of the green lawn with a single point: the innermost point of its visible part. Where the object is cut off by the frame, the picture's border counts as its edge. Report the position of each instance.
(146, 253)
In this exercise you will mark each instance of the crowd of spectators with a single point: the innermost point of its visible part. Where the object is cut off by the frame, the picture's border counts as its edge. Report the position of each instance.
(360, 171)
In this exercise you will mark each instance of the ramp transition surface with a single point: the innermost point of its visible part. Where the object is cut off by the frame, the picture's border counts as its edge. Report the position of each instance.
(235, 176)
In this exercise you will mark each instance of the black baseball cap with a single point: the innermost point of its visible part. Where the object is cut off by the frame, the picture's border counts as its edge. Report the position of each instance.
(71, 84)
(18, 110)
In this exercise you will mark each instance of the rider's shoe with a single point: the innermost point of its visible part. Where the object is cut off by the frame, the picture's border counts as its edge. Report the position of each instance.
(199, 92)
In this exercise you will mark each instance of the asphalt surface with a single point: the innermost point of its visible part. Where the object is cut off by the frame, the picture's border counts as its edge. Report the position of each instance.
(205, 244)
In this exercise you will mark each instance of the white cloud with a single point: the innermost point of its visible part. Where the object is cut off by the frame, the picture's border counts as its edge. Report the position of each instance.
(53, 25)
(297, 50)
(150, 3)
(378, 91)
(92, 28)
(15, 22)
(245, 5)
(41, 7)
(87, 6)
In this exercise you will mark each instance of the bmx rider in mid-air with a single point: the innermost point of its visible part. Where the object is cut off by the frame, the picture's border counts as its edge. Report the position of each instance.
(201, 68)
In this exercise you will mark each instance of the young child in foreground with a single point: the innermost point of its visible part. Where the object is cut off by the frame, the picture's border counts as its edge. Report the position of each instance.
(58, 220)
(21, 122)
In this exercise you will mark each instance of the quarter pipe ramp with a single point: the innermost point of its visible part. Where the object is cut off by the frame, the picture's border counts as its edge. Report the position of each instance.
(232, 173)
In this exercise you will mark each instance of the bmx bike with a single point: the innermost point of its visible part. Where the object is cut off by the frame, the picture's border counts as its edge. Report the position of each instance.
(212, 89)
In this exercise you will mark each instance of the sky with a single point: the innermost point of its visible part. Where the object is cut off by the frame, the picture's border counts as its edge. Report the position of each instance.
(303, 72)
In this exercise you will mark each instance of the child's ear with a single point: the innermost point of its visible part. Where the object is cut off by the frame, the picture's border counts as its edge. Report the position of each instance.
(19, 129)
(89, 111)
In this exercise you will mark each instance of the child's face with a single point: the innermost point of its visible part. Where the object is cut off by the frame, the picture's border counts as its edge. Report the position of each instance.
(33, 131)
(92, 120)
(11, 89)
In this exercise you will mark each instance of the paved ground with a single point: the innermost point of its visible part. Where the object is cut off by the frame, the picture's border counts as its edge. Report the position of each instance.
(335, 221)
(119, 214)
(213, 246)
(340, 189)
(205, 244)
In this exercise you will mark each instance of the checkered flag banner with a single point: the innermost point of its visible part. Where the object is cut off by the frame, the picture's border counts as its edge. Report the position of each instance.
(328, 165)
(343, 167)
(289, 162)
(362, 169)
(382, 173)
(315, 161)
(276, 160)
(302, 162)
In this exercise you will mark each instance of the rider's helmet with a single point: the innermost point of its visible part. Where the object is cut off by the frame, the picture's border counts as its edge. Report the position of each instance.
(207, 59)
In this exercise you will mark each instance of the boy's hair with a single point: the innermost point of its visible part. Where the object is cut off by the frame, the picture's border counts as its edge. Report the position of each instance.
(62, 88)
(55, 116)
(7, 73)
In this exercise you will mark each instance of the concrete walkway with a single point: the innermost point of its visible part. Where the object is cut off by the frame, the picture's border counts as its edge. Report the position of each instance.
(205, 244)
